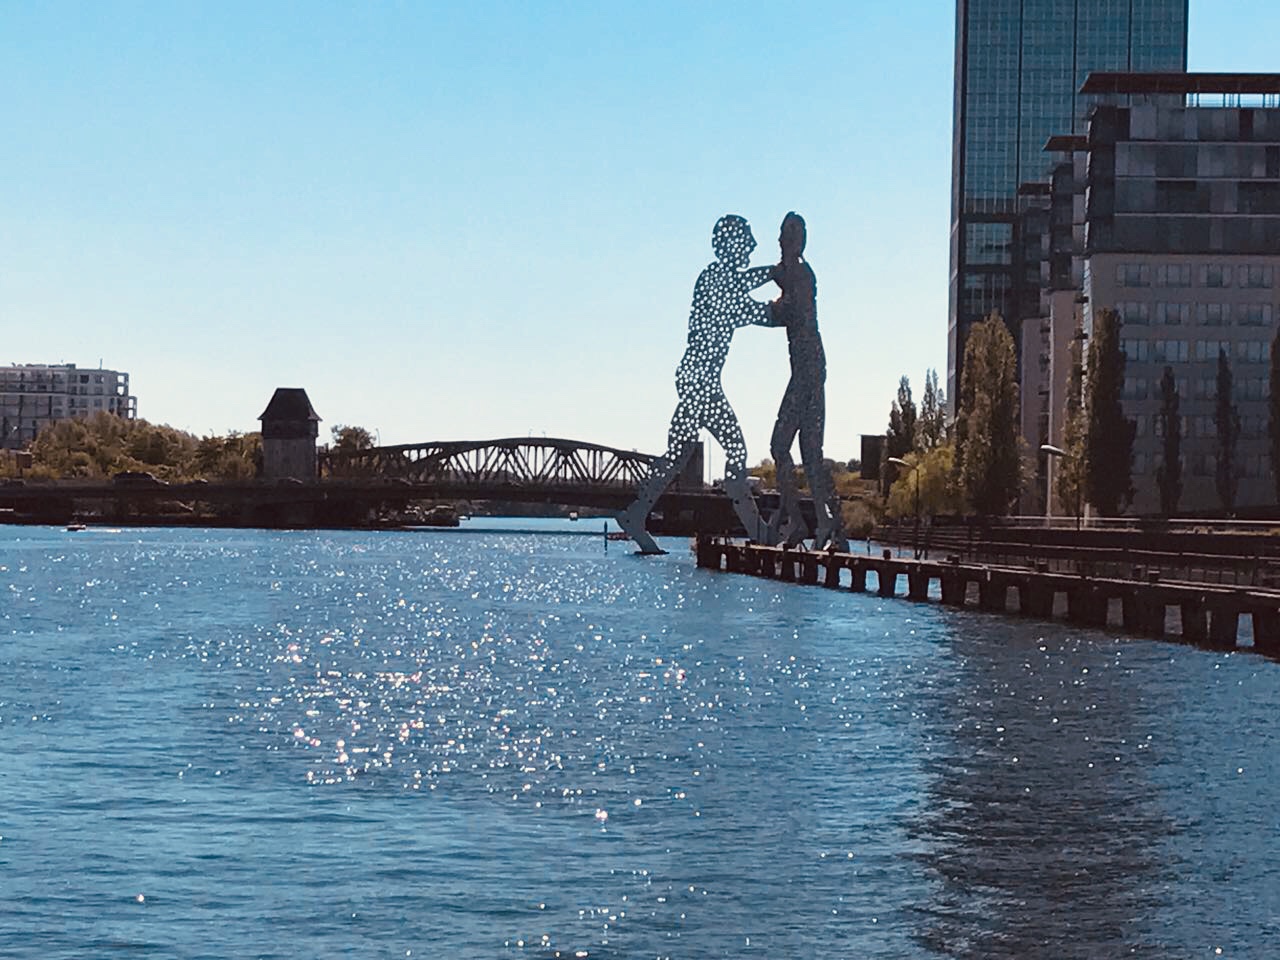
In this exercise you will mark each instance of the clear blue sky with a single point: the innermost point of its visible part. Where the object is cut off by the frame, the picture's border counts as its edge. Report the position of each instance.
(467, 220)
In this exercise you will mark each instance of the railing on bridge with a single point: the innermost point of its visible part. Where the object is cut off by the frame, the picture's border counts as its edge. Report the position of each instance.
(539, 462)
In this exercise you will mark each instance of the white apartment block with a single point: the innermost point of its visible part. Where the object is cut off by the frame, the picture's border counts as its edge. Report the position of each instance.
(34, 395)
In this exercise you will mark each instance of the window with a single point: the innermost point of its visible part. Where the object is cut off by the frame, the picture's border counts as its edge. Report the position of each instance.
(1134, 312)
(1173, 275)
(1135, 388)
(1215, 275)
(1253, 314)
(1169, 351)
(1252, 351)
(1180, 196)
(1173, 314)
(1133, 275)
(1208, 349)
(1254, 275)
(1135, 350)
(1213, 314)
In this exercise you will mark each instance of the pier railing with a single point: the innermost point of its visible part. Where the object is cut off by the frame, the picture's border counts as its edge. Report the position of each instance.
(1150, 606)
(1237, 554)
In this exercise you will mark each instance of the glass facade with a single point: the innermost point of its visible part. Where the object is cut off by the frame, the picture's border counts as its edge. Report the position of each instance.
(1019, 65)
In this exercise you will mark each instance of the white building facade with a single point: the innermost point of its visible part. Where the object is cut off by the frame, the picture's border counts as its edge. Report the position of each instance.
(34, 395)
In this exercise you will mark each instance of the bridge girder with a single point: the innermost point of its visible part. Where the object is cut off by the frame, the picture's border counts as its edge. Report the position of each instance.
(540, 462)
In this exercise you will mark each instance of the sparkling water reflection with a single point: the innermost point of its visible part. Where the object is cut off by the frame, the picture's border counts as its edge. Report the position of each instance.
(504, 744)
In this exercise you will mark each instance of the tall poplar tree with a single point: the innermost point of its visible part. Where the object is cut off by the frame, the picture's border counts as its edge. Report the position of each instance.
(990, 467)
(931, 431)
(1169, 473)
(910, 418)
(1226, 421)
(1108, 473)
(900, 437)
(1273, 407)
(1070, 469)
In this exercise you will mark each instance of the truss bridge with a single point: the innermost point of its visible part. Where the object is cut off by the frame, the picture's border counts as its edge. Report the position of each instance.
(531, 469)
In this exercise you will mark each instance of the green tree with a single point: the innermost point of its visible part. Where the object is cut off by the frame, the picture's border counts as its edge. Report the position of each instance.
(988, 443)
(935, 471)
(349, 439)
(1226, 421)
(100, 446)
(932, 428)
(1169, 429)
(1108, 469)
(1069, 470)
(910, 416)
(237, 456)
(900, 437)
(105, 444)
(1273, 407)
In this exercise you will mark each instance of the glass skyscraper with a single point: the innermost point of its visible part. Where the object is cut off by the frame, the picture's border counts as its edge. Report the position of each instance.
(1019, 67)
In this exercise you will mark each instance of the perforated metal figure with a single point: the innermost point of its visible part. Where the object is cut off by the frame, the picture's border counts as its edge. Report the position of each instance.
(721, 303)
(804, 405)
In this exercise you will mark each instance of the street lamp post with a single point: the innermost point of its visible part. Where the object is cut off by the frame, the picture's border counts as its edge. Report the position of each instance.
(915, 535)
(1058, 452)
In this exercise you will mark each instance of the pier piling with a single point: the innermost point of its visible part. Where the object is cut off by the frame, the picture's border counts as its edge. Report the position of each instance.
(1209, 613)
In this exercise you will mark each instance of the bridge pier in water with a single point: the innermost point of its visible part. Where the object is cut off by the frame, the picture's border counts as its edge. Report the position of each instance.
(1209, 614)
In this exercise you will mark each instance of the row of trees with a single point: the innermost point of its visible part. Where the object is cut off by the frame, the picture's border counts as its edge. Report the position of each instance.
(980, 462)
(922, 439)
(1226, 422)
(1098, 438)
(100, 446)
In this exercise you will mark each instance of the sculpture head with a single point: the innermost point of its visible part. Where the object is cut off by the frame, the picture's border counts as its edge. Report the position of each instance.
(732, 240)
(792, 236)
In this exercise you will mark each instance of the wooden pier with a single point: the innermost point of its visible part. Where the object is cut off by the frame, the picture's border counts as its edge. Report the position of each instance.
(1205, 614)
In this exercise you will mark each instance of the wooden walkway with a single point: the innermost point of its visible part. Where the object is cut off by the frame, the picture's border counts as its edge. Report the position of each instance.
(1205, 614)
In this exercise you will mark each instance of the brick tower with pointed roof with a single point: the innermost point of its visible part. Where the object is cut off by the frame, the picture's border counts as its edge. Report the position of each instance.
(290, 426)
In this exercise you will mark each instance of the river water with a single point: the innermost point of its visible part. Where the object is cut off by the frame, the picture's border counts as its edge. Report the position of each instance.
(505, 744)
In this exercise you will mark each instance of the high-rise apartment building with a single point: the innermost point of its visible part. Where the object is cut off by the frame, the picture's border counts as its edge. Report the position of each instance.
(1182, 222)
(1168, 213)
(34, 395)
(1019, 67)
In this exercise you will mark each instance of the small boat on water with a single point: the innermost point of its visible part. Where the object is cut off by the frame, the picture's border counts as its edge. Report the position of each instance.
(76, 527)
(573, 514)
(441, 515)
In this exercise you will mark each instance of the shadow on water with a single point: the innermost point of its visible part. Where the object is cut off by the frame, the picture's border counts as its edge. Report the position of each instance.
(1041, 830)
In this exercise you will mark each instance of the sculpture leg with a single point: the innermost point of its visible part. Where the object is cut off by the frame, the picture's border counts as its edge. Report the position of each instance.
(826, 506)
(722, 422)
(680, 445)
(787, 524)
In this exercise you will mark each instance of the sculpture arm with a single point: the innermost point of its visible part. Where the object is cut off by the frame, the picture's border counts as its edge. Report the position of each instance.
(754, 277)
(755, 312)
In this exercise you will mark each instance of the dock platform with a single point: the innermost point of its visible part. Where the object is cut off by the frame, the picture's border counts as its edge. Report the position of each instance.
(1147, 606)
